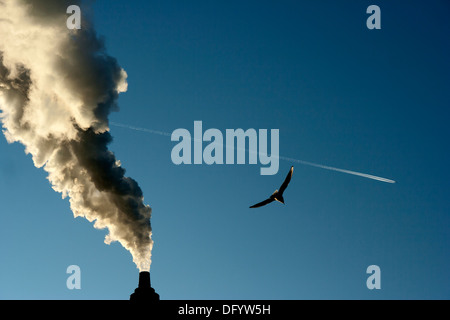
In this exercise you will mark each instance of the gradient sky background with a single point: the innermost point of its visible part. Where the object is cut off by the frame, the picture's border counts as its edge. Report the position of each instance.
(374, 101)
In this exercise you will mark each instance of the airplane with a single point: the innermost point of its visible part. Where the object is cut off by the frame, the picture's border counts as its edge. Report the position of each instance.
(278, 194)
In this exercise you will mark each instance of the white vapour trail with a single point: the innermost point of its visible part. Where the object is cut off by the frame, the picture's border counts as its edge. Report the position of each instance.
(355, 173)
(311, 164)
(121, 125)
(57, 89)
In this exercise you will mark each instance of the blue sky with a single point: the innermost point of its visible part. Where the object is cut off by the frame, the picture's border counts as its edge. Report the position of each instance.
(373, 101)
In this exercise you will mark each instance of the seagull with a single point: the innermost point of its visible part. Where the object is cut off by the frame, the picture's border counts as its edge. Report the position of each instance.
(278, 194)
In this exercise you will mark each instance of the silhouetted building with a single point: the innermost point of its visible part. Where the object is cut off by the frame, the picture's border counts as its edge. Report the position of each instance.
(144, 292)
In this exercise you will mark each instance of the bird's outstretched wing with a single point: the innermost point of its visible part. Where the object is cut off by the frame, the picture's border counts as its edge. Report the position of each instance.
(286, 181)
(263, 203)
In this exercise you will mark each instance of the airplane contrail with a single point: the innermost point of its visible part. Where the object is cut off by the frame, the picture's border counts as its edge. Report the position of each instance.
(161, 133)
(355, 173)
(311, 164)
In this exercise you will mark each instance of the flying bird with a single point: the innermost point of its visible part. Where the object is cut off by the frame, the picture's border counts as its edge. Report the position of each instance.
(278, 194)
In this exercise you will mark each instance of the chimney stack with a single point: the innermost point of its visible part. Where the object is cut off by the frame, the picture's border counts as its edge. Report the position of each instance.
(144, 292)
(144, 279)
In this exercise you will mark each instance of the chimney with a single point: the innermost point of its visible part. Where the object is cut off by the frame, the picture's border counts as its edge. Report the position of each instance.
(144, 292)
(144, 279)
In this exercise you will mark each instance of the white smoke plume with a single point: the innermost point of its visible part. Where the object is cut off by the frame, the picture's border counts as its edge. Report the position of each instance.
(57, 88)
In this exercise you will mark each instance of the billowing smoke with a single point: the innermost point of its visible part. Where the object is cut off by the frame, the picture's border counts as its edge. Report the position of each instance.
(57, 88)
